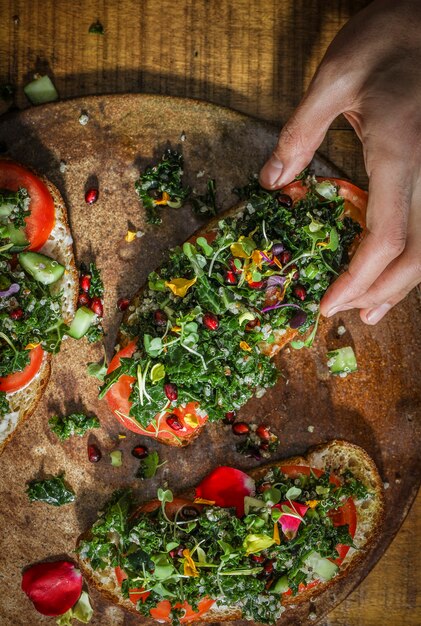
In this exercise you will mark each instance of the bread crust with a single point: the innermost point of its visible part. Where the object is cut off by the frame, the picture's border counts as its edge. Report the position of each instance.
(25, 400)
(335, 455)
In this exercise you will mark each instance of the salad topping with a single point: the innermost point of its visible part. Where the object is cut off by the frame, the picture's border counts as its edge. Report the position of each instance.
(210, 316)
(239, 543)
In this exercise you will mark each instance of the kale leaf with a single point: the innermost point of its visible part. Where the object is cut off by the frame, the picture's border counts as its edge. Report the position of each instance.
(51, 490)
(73, 424)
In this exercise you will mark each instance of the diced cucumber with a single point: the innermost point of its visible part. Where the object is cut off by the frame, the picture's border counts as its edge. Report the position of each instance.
(281, 585)
(342, 361)
(6, 208)
(82, 322)
(44, 269)
(17, 236)
(324, 568)
(41, 90)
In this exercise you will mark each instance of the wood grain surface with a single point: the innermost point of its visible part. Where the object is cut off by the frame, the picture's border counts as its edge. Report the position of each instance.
(256, 57)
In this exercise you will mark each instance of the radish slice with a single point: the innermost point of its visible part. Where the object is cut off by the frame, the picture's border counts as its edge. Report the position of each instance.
(227, 487)
(52, 587)
(290, 523)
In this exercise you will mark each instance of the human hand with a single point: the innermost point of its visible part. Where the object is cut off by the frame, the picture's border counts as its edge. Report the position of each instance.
(371, 73)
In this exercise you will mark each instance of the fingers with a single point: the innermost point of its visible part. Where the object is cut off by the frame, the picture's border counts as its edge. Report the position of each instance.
(303, 133)
(390, 194)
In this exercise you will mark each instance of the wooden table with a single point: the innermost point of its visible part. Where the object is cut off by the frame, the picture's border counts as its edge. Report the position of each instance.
(256, 57)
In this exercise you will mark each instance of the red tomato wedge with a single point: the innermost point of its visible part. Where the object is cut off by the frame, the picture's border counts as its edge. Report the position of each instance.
(40, 222)
(14, 382)
(118, 401)
(355, 198)
(162, 610)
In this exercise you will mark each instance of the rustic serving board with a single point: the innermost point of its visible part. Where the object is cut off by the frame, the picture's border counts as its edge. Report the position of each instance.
(379, 407)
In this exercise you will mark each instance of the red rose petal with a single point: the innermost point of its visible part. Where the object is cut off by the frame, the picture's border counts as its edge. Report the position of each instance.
(227, 487)
(53, 587)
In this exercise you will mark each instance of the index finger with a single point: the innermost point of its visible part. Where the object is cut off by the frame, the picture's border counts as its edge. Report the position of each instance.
(387, 218)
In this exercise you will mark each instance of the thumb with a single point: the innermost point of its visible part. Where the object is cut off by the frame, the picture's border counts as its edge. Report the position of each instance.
(301, 136)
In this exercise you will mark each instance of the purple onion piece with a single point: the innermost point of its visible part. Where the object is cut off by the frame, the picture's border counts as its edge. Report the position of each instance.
(14, 288)
(298, 320)
(279, 305)
(277, 248)
(276, 281)
(265, 258)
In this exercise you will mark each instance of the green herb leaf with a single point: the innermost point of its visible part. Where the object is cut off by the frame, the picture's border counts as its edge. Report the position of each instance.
(51, 490)
(73, 424)
(148, 466)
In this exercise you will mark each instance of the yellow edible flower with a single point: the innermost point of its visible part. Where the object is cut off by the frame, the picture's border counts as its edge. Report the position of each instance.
(312, 503)
(257, 543)
(130, 236)
(180, 286)
(276, 536)
(191, 420)
(245, 346)
(203, 501)
(175, 329)
(164, 200)
(190, 568)
(31, 346)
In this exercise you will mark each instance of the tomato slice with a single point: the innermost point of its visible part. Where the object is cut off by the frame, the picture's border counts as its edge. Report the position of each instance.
(14, 382)
(40, 222)
(118, 401)
(355, 198)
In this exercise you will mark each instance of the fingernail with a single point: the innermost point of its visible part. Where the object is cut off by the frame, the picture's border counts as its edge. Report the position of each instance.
(272, 171)
(339, 307)
(375, 315)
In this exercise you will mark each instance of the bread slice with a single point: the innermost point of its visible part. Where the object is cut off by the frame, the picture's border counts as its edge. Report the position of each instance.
(337, 456)
(282, 336)
(59, 245)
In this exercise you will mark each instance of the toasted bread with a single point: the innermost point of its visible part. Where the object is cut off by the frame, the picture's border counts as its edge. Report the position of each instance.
(282, 337)
(59, 245)
(337, 456)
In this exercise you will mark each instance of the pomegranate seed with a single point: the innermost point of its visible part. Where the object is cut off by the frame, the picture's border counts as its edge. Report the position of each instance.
(252, 324)
(210, 321)
(84, 300)
(122, 304)
(230, 417)
(299, 292)
(285, 200)
(263, 432)
(268, 567)
(94, 453)
(257, 284)
(85, 283)
(160, 317)
(296, 273)
(285, 257)
(240, 428)
(256, 558)
(233, 267)
(230, 278)
(16, 314)
(176, 552)
(173, 422)
(96, 306)
(91, 196)
(171, 391)
(264, 446)
(140, 452)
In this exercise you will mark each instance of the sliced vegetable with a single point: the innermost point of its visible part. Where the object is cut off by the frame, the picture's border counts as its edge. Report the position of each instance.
(17, 380)
(342, 361)
(40, 222)
(41, 267)
(324, 568)
(41, 90)
(116, 457)
(82, 321)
